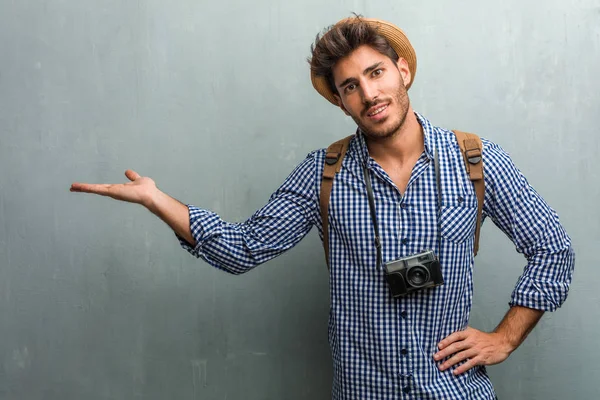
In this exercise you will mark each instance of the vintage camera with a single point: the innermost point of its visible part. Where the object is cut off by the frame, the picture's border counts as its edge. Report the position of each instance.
(415, 272)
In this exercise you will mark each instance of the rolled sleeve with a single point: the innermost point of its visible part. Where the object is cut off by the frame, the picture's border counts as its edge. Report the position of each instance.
(275, 228)
(534, 227)
(204, 224)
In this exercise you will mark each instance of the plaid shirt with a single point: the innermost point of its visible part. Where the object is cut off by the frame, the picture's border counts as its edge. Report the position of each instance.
(382, 347)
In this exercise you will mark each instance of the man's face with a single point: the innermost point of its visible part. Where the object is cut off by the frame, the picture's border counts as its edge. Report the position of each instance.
(372, 91)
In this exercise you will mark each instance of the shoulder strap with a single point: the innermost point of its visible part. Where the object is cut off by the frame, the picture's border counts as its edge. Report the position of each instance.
(472, 151)
(333, 163)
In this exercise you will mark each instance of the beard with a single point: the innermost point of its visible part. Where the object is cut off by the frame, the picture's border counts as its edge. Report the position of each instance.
(384, 129)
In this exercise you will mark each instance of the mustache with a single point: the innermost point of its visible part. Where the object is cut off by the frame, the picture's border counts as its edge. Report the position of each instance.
(368, 104)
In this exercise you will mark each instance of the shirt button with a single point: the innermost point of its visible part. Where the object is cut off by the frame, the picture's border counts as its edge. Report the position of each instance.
(403, 206)
(404, 241)
(406, 389)
(404, 352)
(460, 199)
(403, 314)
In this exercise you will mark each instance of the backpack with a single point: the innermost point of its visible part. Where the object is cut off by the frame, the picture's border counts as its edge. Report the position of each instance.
(471, 150)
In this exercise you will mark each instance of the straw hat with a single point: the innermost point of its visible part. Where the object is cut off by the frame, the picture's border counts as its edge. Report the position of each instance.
(395, 37)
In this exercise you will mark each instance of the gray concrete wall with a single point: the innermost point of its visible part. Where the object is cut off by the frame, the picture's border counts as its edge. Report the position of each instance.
(213, 101)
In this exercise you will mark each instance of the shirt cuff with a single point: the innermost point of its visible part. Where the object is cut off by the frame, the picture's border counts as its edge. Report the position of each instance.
(204, 225)
(539, 295)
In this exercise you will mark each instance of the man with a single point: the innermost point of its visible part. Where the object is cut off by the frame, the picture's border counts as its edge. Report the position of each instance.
(418, 345)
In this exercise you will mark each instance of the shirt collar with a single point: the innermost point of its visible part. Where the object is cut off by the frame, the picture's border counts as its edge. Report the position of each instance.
(428, 132)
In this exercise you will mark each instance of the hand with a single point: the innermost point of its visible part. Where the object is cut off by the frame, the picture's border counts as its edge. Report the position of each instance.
(140, 190)
(477, 347)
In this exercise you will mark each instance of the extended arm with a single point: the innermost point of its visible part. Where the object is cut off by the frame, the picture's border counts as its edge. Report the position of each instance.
(143, 190)
(234, 247)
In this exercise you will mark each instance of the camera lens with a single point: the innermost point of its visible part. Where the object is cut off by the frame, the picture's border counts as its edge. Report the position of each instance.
(417, 276)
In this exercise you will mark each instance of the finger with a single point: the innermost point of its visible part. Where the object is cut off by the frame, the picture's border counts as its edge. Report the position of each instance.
(458, 357)
(451, 349)
(456, 336)
(132, 175)
(470, 363)
(101, 189)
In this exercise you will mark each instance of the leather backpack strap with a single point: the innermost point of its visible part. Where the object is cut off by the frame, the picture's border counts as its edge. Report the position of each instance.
(472, 151)
(333, 163)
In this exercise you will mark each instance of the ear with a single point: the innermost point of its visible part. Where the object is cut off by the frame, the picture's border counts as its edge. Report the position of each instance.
(338, 100)
(402, 65)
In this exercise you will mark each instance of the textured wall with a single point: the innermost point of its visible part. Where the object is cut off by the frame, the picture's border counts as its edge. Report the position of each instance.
(213, 101)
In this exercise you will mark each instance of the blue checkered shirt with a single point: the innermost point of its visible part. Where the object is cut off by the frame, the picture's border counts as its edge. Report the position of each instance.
(382, 347)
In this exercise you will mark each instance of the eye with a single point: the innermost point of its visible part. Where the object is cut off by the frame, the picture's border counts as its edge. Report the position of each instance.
(350, 88)
(377, 72)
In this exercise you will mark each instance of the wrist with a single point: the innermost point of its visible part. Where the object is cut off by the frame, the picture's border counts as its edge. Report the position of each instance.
(153, 200)
(505, 341)
(516, 325)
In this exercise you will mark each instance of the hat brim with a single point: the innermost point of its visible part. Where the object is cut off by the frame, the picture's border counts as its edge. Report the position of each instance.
(395, 37)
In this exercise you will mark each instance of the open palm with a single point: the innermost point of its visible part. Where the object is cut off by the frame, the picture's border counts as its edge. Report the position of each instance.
(139, 190)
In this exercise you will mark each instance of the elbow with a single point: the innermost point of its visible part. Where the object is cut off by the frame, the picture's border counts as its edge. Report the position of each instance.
(230, 267)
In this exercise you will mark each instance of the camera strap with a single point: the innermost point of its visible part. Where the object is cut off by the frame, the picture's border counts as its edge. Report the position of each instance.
(438, 184)
(471, 149)
(436, 166)
(373, 215)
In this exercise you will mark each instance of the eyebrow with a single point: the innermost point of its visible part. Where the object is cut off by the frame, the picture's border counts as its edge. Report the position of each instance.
(365, 72)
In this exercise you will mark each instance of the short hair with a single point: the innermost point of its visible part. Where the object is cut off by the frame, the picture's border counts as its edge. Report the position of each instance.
(338, 41)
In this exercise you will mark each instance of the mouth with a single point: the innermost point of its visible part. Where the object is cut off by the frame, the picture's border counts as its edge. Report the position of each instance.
(378, 111)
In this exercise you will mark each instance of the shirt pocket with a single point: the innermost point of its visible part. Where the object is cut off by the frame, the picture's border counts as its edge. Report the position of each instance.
(458, 217)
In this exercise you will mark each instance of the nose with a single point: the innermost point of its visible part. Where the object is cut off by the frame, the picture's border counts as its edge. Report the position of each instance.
(369, 92)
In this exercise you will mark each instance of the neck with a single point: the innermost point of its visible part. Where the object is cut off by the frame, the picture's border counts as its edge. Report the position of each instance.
(406, 144)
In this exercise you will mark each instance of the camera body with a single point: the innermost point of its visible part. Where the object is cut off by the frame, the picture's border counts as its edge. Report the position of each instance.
(414, 272)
